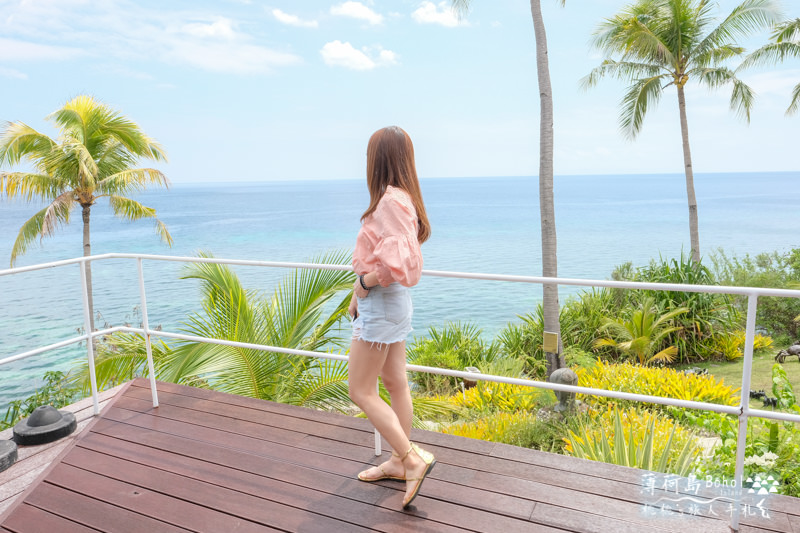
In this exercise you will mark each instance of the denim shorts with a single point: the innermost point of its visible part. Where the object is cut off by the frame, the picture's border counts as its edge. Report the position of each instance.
(384, 315)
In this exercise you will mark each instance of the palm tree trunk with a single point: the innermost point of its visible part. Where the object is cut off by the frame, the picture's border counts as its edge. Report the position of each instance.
(694, 232)
(546, 207)
(87, 251)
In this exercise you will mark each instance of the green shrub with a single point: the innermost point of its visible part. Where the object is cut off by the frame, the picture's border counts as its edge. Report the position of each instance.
(55, 392)
(435, 384)
(630, 437)
(778, 271)
(654, 381)
(518, 429)
(708, 313)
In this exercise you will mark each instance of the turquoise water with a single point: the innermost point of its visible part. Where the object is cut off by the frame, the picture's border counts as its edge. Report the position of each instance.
(486, 225)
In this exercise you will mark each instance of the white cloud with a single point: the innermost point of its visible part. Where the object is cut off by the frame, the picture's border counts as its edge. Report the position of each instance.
(235, 58)
(118, 31)
(293, 20)
(11, 73)
(221, 28)
(357, 10)
(339, 54)
(15, 50)
(442, 14)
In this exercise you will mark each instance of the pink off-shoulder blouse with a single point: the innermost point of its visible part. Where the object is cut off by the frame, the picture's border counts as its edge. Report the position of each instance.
(387, 243)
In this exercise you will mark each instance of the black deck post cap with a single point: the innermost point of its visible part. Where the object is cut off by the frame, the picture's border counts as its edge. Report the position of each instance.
(8, 454)
(46, 424)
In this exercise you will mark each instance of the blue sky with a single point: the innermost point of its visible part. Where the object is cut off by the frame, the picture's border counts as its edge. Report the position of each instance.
(250, 90)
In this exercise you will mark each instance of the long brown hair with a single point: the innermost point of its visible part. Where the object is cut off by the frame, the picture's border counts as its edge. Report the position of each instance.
(390, 161)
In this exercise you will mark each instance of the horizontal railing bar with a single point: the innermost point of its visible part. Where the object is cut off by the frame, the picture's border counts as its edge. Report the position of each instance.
(726, 409)
(37, 351)
(774, 415)
(61, 344)
(716, 289)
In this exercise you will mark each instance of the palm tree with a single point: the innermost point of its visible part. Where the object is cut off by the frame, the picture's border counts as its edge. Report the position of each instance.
(93, 158)
(550, 303)
(785, 43)
(669, 42)
(643, 333)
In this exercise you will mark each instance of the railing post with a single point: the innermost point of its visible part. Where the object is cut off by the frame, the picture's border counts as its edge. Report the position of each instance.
(378, 450)
(87, 326)
(147, 342)
(741, 443)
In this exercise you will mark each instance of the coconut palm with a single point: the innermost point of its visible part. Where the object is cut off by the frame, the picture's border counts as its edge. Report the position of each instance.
(93, 158)
(643, 333)
(785, 43)
(550, 303)
(654, 44)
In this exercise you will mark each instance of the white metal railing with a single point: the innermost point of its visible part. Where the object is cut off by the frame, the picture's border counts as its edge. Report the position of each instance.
(742, 411)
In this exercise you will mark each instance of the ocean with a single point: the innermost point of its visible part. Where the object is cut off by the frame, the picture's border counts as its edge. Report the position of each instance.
(488, 225)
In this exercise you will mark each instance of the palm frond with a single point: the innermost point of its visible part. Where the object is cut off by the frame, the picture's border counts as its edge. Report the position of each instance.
(742, 98)
(19, 141)
(787, 31)
(133, 210)
(120, 357)
(29, 186)
(322, 386)
(795, 105)
(132, 180)
(642, 95)
(57, 213)
(635, 35)
(130, 209)
(771, 54)
(33, 229)
(746, 18)
(297, 304)
(622, 70)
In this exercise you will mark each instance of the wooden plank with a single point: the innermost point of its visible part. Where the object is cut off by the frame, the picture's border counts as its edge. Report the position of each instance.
(329, 494)
(209, 494)
(494, 502)
(243, 418)
(29, 519)
(178, 512)
(94, 513)
(583, 522)
(486, 499)
(209, 420)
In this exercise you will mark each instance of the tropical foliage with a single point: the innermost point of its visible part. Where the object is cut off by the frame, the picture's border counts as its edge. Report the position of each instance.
(639, 439)
(55, 391)
(641, 335)
(455, 346)
(665, 382)
(776, 270)
(708, 314)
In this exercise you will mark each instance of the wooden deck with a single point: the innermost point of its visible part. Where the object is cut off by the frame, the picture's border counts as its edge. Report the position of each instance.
(210, 462)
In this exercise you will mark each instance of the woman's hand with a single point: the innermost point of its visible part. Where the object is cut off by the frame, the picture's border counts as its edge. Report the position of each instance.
(358, 290)
(353, 308)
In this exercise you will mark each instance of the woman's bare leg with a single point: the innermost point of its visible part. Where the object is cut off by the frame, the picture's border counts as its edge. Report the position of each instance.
(366, 362)
(394, 377)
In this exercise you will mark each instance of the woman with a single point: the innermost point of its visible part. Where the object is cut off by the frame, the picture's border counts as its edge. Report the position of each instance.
(387, 260)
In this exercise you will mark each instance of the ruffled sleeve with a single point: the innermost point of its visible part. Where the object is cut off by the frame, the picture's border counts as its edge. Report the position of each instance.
(397, 249)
